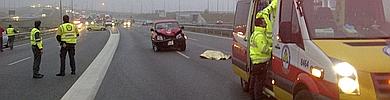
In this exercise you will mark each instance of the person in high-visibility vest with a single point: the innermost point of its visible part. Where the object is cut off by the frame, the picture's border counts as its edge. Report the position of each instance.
(261, 49)
(260, 54)
(11, 36)
(67, 37)
(37, 48)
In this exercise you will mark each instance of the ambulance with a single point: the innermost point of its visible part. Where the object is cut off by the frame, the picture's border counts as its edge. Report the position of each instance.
(322, 49)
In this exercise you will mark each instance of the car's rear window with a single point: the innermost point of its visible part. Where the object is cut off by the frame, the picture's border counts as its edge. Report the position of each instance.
(166, 25)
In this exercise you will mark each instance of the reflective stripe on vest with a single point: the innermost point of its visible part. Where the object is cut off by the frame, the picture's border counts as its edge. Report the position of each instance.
(259, 47)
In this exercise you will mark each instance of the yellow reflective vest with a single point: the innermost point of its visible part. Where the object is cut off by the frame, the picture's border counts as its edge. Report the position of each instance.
(10, 32)
(68, 33)
(36, 39)
(259, 49)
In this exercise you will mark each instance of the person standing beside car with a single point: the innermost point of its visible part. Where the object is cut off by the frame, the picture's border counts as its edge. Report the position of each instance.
(37, 48)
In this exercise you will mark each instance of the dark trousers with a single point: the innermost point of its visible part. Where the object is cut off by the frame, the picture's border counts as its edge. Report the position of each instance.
(11, 40)
(37, 59)
(70, 50)
(259, 72)
(1, 42)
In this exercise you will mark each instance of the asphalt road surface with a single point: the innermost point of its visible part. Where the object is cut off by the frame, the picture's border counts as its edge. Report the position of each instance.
(138, 73)
(16, 81)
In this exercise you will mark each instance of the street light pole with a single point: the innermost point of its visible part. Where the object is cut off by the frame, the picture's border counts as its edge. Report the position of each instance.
(60, 8)
(72, 9)
(142, 9)
(165, 6)
(208, 5)
(179, 7)
(217, 6)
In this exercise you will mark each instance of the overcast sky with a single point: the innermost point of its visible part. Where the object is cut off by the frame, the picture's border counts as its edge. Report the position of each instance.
(132, 5)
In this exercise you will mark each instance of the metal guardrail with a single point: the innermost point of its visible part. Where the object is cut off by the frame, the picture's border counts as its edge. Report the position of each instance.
(209, 25)
(227, 32)
(26, 35)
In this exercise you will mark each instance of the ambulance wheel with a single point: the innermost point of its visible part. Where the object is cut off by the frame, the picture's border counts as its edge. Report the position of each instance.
(182, 48)
(303, 95)
(244, 85)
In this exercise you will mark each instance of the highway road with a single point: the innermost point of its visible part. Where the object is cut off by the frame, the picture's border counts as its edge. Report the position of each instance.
(136, 72)
(16, 82)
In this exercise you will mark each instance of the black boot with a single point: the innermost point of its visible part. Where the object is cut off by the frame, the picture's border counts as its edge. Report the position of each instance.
(38, 76)
(73, 73)
(60, 74)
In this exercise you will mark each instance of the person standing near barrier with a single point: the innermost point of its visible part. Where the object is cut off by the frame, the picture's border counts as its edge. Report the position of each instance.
(37, 48)
(67, 37)
(1, 39)
(11, 36)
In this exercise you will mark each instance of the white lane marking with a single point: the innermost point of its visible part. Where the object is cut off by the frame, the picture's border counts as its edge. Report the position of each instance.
(13, 63)
(87, 86)
(208, 47)
(182, 54)
(21, 45)
(193, 39)
(209, 35)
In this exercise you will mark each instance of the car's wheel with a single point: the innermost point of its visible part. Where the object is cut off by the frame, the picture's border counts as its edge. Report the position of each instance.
(89, 29)
(156, 49)
(244, 85)
(182, 47)
(102, 29)
(303, 95)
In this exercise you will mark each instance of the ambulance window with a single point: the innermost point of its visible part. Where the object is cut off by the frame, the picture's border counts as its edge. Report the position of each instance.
(285, 21)
(295, 29)
(285, 11)
(242, 11)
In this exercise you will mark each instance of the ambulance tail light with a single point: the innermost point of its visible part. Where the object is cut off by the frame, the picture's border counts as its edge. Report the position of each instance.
(347, 78)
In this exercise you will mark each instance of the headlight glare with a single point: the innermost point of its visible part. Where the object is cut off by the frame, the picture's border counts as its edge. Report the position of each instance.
(348, 85)
(344, 69)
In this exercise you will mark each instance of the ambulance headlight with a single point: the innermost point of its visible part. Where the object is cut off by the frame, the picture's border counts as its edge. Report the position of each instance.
(348, 85)
(344, 69)
(347, 78)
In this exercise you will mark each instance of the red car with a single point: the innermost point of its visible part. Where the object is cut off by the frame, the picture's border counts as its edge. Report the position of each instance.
(168, 34)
